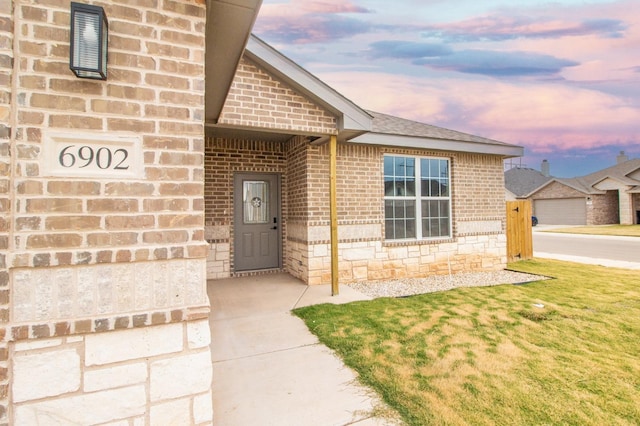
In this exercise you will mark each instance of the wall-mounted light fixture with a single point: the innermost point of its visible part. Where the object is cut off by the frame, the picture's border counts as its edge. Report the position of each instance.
(89, 34)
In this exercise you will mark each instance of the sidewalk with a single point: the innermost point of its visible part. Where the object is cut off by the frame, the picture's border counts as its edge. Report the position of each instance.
(268, 369)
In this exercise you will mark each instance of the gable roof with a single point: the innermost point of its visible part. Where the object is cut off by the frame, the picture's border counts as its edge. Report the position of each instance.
(356, 124)
(523, 181)
(352, 120)
(396, 131)
(620, 172)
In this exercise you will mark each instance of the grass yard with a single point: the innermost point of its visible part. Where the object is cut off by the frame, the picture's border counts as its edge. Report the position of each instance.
(616, 230)
(489, 355)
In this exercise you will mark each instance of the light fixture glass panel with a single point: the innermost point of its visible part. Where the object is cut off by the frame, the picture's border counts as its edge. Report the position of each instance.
(89, 35)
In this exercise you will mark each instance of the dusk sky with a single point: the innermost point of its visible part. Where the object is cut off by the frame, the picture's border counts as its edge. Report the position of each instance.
(560, 78)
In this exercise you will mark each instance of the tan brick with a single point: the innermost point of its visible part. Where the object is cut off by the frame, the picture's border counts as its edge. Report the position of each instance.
(30, 117)
(66, 223)
(73, 188)
(167, 81)
(54, 241)
(130, 222)
(30, 187)
(35, 82)
(54, 205)
(165, 237)
(39, 100)
(129, 189)
(181, 98)
(181, 68)
(174, 113)
(75, 122)
(128, 92)
(164, 173)
(108, 205)
(76, 86)
(180, 189)
(160, 49)
(128, 125)
(108, 239)
(103, 106)
(180, 221)
(165, 142)
(162, 20)
(160, 205)
(184, 159)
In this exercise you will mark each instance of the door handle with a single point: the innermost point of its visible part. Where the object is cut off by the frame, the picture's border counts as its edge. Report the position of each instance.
(275, 227)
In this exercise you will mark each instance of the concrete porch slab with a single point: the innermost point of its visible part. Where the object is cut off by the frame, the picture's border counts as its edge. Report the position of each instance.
(268, 369)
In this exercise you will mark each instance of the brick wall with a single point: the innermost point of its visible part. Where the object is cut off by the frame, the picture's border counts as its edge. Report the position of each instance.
(155, 92)
(477, 196)
(6, 118)
(603, 209)
(478, 242)
(102, 257)
(557, 190)
(257, 100)
(224, 158)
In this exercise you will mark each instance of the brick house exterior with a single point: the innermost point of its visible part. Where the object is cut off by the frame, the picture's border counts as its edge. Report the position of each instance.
(608, 196)
(271, 94)
(103, 274)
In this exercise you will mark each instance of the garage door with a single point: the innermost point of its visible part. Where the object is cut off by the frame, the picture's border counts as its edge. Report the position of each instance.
(565, 211)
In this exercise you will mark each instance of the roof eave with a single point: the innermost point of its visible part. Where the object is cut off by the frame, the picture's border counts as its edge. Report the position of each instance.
(228, 26)
(506, 151)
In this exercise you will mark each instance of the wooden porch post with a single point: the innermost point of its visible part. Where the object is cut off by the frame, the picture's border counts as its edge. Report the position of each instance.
(333, 211)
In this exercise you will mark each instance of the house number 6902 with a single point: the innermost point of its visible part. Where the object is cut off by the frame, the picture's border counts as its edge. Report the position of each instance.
(84, 156)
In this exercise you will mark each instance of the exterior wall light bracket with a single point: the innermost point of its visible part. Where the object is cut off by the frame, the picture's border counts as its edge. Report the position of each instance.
(89, 34)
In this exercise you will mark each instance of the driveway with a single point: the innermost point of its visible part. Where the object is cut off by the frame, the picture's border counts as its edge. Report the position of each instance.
(622, 252)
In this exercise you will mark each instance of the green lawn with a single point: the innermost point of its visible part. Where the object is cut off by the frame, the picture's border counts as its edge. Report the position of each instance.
(617, 230)
(485, 356)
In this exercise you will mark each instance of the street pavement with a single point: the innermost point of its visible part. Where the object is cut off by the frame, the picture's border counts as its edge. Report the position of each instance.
(620, 252)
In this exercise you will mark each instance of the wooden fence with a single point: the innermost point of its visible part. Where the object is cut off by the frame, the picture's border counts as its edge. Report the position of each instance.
(519, 233)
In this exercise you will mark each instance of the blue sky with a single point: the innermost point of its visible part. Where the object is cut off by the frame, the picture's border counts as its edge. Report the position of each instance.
(560, 78)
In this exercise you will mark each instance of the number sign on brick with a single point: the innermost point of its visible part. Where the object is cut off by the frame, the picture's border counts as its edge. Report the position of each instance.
(93, 155)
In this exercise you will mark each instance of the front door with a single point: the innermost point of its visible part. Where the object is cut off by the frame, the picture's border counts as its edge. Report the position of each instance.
(257, 227)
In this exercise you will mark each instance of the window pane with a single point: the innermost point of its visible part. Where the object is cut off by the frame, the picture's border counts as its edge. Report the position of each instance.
(389, 188)
(256, 202)
(400, 222)
(388, 166)
(410, 228)
(411, 187)
(389, 230)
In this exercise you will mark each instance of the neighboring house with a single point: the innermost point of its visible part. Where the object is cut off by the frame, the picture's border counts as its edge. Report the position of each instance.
(195, 159)
(413, 199)
(608, 196)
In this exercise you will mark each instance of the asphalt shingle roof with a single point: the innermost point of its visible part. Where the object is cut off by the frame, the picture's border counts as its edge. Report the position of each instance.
(388, 124)
(522, 181)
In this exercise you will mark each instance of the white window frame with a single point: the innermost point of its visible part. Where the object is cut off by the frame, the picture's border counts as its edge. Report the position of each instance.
(418, 198)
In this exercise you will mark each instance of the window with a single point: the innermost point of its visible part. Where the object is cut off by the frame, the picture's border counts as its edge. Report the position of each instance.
(417, 198)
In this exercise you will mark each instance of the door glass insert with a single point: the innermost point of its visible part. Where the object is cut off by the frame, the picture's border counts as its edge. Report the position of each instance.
(255, 201)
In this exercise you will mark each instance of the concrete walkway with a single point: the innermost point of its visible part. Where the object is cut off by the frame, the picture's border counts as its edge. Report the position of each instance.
(268, 369)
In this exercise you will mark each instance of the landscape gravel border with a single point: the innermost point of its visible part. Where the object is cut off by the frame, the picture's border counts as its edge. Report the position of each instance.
(412, 286)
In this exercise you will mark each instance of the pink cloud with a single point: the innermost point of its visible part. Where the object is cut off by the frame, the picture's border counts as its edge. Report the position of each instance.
(544, 117)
